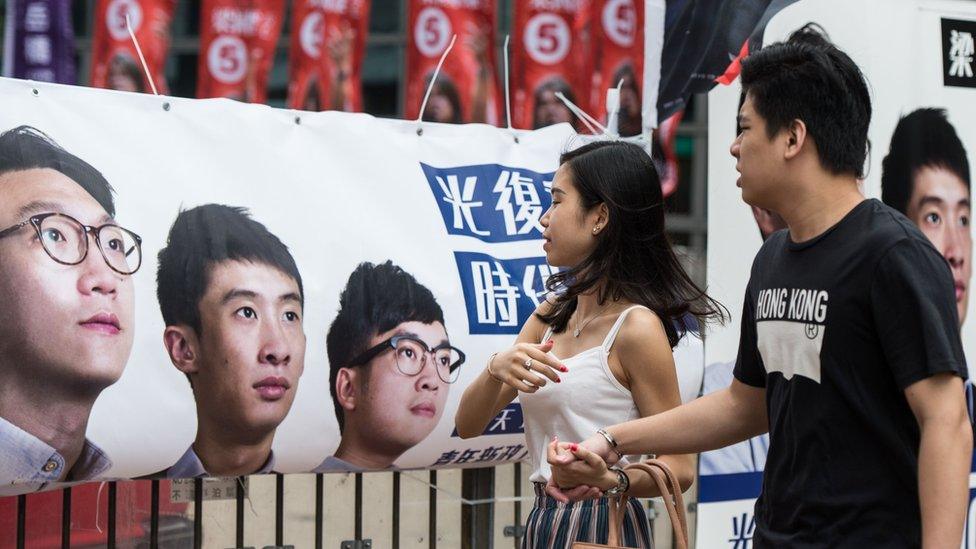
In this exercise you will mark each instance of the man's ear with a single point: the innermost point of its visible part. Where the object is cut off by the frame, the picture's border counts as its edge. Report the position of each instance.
(348, 391)
(796, 136)
(183, 348)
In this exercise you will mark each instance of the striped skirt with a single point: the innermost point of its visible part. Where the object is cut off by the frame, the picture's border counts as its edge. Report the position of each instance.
(554, 525)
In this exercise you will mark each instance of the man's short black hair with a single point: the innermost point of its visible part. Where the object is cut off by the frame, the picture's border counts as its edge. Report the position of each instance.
(812, 34)
(810, 79)
(202, 237)
(922, 139)
(27, 148)
(376, 299)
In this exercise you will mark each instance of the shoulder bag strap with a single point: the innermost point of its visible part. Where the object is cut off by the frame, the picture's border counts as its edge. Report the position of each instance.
(670, 490)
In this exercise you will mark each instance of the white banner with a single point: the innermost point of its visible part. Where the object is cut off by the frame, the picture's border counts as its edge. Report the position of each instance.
(457, 208)
(914, 54)
(454, 209)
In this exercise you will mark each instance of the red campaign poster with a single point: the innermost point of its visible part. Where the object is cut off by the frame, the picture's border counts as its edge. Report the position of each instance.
(237, 46)
(618, 54)
(115, 63)
(548, 57)
(326, 54)
(467, 87)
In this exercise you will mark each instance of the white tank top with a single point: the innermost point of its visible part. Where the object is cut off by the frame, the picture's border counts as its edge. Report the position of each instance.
(588, 398)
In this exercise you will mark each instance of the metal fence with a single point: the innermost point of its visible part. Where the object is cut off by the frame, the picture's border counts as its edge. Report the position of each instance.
(473, 509)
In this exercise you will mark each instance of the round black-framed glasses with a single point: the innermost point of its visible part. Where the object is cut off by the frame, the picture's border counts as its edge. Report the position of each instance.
(65, 240)
(411, 357)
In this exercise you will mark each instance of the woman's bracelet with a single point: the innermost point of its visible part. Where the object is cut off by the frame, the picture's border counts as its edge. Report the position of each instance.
(611, 441)
(488, 366)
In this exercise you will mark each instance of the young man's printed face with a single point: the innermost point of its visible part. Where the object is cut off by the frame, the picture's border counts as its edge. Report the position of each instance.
(252, 346)
(399, 408)
(940, 206)
(69, 324)
(758, 160)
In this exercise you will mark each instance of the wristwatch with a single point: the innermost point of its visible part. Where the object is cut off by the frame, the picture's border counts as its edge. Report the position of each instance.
(623, 483)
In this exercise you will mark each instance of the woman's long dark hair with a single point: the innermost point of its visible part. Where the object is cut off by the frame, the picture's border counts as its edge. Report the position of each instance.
(633, 259)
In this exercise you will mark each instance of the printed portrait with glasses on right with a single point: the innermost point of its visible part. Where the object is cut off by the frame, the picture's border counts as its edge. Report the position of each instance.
(67, 321)
(391, 366)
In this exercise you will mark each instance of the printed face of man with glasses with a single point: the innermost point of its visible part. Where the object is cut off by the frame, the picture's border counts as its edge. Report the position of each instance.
(67, 320)
(391, 366)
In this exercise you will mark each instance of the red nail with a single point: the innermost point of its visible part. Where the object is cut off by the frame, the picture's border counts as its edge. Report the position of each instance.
(574, 447)
(558, 380)
(563, 368)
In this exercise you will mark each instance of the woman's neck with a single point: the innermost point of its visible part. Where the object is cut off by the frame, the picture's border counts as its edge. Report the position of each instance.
(588, 304)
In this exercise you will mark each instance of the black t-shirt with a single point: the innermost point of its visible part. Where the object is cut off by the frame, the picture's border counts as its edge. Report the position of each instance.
(835, 329)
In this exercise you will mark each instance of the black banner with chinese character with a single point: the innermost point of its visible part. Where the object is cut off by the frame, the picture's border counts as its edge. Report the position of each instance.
(958, 52)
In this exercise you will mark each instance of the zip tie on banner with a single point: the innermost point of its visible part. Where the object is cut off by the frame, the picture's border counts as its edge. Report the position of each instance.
(457, 497)
(145, 67)
(613, 116)
(98, 508)
(430, 86)
(247, 493)
(588, 120)
(592, 120)
(508, 93)
(508, 499)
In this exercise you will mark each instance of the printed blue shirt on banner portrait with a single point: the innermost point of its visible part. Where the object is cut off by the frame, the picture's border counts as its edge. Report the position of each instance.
(508, 422)
(491, 202)
(500, 294)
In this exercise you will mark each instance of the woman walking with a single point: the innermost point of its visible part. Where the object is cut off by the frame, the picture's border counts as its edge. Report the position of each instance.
(598, 350)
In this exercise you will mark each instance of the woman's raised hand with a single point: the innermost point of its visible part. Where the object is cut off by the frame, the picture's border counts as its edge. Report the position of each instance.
(526, 366)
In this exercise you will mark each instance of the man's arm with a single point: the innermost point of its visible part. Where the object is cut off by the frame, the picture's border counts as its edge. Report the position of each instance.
(944, 457)
(712, 421)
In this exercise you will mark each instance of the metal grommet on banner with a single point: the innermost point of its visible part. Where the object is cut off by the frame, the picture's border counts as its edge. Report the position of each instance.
(420, 131)
(36, 93)
(166, 106)
(298, 120)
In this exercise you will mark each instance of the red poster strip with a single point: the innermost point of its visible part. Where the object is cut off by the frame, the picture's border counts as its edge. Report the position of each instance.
(115, 63)
(467, 88)
(328, 44)
(618, 53)
(548, 57)
(237, 46)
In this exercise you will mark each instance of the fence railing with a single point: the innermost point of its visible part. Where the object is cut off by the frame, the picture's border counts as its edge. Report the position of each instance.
(472, 509)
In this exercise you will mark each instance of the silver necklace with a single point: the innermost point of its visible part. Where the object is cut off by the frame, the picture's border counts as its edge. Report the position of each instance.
(579, 328)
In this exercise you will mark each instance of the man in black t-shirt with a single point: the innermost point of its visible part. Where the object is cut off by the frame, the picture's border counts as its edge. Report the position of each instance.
(849, 355)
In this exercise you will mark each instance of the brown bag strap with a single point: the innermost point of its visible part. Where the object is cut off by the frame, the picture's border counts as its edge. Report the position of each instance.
(670, 490)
